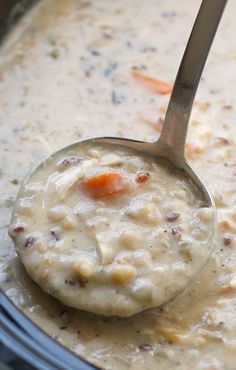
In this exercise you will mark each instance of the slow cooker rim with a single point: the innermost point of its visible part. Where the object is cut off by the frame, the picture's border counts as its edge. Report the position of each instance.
(27, 340)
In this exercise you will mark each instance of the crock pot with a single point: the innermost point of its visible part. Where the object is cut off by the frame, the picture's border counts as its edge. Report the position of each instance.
(16, 331)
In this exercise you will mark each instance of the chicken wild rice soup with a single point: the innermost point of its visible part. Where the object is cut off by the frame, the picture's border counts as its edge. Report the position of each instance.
(110, 230)
(74, 69)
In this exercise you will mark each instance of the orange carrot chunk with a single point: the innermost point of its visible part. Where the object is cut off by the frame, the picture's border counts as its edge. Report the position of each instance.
(152, 84)
(109, 183)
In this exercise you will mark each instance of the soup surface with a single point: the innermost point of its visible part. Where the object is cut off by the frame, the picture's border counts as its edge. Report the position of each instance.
(74, 69)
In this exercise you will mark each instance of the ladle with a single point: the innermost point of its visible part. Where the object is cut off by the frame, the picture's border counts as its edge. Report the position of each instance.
(171, 143)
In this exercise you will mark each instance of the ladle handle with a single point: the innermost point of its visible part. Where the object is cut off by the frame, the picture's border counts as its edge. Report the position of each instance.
(175, 126)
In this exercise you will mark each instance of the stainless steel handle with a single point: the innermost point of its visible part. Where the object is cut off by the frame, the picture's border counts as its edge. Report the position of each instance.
(175, 126)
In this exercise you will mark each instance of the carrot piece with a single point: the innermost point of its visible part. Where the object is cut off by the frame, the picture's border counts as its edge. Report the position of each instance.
(152, 84)
(104, 184)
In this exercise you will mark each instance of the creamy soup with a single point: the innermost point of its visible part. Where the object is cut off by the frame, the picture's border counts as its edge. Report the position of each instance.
(74, 69)
(108, 230)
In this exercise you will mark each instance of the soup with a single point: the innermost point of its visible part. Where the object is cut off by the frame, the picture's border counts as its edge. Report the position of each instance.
(74, 69)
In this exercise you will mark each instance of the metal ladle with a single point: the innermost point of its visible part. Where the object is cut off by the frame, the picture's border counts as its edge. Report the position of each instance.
(171, 143)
